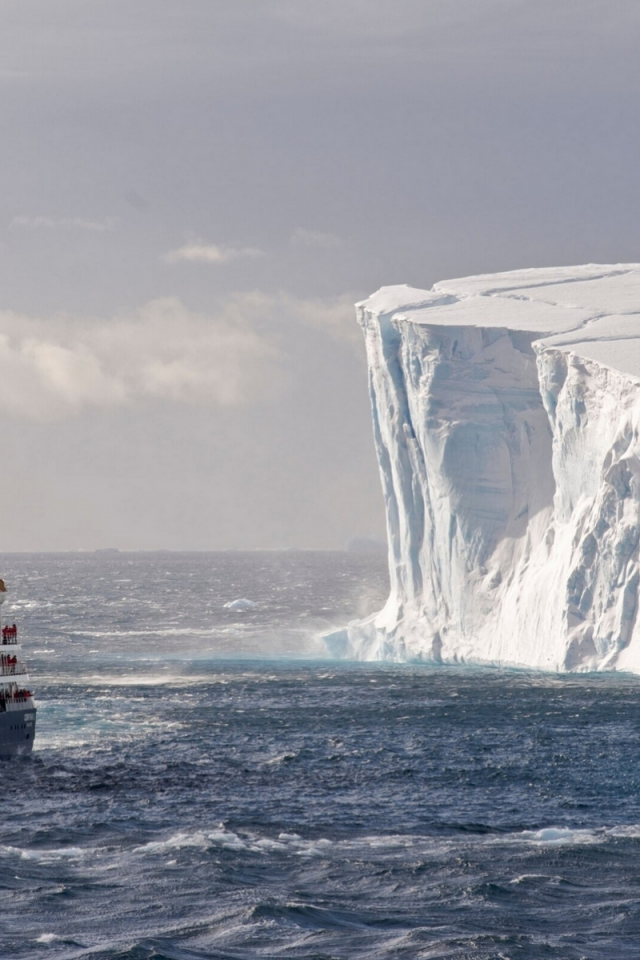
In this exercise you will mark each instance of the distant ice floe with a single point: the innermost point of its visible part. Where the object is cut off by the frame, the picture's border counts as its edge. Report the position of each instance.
(506, 414)
(241, 604)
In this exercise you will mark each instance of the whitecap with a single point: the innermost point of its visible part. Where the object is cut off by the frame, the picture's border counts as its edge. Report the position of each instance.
(560, 835)
(270, 845)
(281, 758)
(47, 856)
(176, 842)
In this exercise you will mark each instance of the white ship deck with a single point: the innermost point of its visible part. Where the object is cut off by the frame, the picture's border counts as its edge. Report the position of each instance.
(20, 703)
(20, 676)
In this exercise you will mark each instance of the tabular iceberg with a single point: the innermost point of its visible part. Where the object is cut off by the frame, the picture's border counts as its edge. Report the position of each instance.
(506, 413)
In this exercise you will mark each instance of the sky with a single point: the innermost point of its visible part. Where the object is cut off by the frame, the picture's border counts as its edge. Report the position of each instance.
(193, 194)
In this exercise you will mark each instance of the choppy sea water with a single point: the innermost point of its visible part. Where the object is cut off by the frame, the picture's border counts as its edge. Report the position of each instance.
(206, 785)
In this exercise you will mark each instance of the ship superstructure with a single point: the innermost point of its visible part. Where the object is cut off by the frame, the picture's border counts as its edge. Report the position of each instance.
(17, 706)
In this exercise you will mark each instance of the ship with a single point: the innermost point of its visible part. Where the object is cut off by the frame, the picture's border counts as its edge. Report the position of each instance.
(17, 706)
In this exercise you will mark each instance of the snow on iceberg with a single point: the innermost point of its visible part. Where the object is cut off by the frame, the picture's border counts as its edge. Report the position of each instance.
(506, 413)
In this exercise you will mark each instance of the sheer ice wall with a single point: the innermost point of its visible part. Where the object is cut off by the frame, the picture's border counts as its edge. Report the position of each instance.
(506, 414)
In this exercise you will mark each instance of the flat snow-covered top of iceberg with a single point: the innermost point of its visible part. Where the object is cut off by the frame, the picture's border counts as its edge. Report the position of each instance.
(592, 310)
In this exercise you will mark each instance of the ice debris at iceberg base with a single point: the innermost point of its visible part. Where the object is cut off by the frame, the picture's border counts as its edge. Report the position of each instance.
(506, 414)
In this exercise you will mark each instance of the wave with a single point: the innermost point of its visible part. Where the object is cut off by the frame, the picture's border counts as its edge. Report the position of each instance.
(392, 846)
(50, 855)
(573, 836)
(292, 844)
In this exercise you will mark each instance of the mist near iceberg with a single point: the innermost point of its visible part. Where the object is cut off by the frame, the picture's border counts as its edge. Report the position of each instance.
(506, 415)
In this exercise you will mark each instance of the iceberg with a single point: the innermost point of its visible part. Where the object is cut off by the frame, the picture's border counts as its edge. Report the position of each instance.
(506, 416)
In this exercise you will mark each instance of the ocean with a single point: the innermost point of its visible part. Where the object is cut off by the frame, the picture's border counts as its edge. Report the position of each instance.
(207, 783)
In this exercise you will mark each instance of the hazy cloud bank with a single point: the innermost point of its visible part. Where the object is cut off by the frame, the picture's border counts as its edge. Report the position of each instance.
(198, 252)
(302, 237)
(52, 368)
(69, 223)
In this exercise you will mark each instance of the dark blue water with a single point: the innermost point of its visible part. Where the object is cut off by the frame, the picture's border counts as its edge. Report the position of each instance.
(204, 786)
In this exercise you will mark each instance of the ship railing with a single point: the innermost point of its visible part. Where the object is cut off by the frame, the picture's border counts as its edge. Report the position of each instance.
(12, 671)
(14, 703)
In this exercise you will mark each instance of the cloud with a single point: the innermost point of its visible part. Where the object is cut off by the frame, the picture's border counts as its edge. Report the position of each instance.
(285, 313)
(302, 237)
(334, 316)
(197, 252)
(68, 223)
(53, 368)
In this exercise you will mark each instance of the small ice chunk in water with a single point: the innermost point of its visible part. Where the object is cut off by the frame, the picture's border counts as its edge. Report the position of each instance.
(241, 604)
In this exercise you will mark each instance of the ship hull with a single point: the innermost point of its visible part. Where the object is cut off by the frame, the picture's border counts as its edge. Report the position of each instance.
(17, 732)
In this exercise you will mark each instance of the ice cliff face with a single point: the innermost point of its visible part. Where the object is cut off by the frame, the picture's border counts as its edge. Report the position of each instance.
(506, 415)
